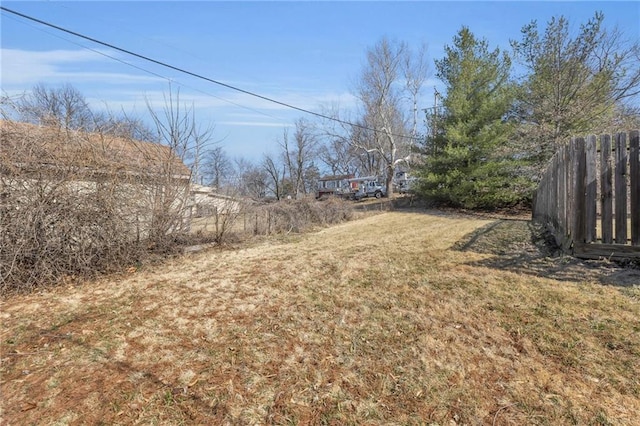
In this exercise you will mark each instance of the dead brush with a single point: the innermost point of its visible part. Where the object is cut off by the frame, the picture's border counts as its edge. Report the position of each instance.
(298, 216)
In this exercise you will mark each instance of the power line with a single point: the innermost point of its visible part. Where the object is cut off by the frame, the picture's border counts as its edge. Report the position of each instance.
(163, 77)
(193, 74)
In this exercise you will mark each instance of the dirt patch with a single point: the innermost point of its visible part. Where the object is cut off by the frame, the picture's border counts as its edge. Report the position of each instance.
(524, 247)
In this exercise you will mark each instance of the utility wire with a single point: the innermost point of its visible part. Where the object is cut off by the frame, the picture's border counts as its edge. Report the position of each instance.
(155, 74)
(182, 70)
(170, 80)
(106, 55)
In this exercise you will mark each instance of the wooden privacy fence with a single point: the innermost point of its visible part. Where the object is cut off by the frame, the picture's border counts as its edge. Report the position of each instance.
(589, 197)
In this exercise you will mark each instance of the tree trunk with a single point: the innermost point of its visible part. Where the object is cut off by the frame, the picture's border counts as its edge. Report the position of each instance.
(389, 180)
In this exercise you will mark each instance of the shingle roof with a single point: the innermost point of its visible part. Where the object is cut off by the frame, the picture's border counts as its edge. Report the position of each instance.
(335, 177)
(31, 147)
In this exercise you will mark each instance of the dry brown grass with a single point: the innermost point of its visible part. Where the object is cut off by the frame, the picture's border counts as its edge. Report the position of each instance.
(398, 318)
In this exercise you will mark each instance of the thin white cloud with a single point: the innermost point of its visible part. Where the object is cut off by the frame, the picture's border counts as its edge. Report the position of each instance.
(25, 68)
(122, 91)
(212, 98)
(109, 78)
(22, 67)
(254, 124)
(49, 56)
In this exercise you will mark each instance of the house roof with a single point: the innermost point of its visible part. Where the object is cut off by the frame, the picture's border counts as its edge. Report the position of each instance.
(335, 177)
(363, 178)
(32, 147)
(204, 191)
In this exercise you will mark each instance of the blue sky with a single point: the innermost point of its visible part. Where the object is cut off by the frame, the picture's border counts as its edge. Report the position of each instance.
(307, 54)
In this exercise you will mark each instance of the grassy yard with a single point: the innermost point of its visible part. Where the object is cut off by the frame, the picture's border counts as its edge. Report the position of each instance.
(397, 318)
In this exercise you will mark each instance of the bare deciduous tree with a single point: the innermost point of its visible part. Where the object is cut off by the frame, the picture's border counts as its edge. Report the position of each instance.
(339, 156)
(337, 151)
(63, 107)
(217, 167)
(122, 126)
(416, 71)
(391, 71)
(275, 175)
(176, 128)
(249, 179)
(299, 154)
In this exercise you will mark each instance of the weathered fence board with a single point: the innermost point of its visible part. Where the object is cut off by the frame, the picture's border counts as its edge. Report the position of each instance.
(634, 173)
(591, 190)
(606, 185)
(579, 197)
(579, 185)
(621, 188)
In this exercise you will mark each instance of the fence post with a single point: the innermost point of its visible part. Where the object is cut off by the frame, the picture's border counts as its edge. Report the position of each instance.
(634, 175)
(255, 224)
(268, 222)
(215, 212)
(621, 188)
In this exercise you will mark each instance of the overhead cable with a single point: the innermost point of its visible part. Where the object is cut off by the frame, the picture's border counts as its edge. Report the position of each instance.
(163, 77)
(193, 74)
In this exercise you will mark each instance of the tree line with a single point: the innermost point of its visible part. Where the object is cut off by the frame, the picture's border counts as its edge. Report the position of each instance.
(497, 130)
(503, 115)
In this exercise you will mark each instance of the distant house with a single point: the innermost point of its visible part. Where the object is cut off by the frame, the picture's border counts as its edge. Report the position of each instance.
(145, 184)
(334, 185)
(206, 201)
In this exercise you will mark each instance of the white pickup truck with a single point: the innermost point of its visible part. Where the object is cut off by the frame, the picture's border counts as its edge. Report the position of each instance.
(368, 187)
